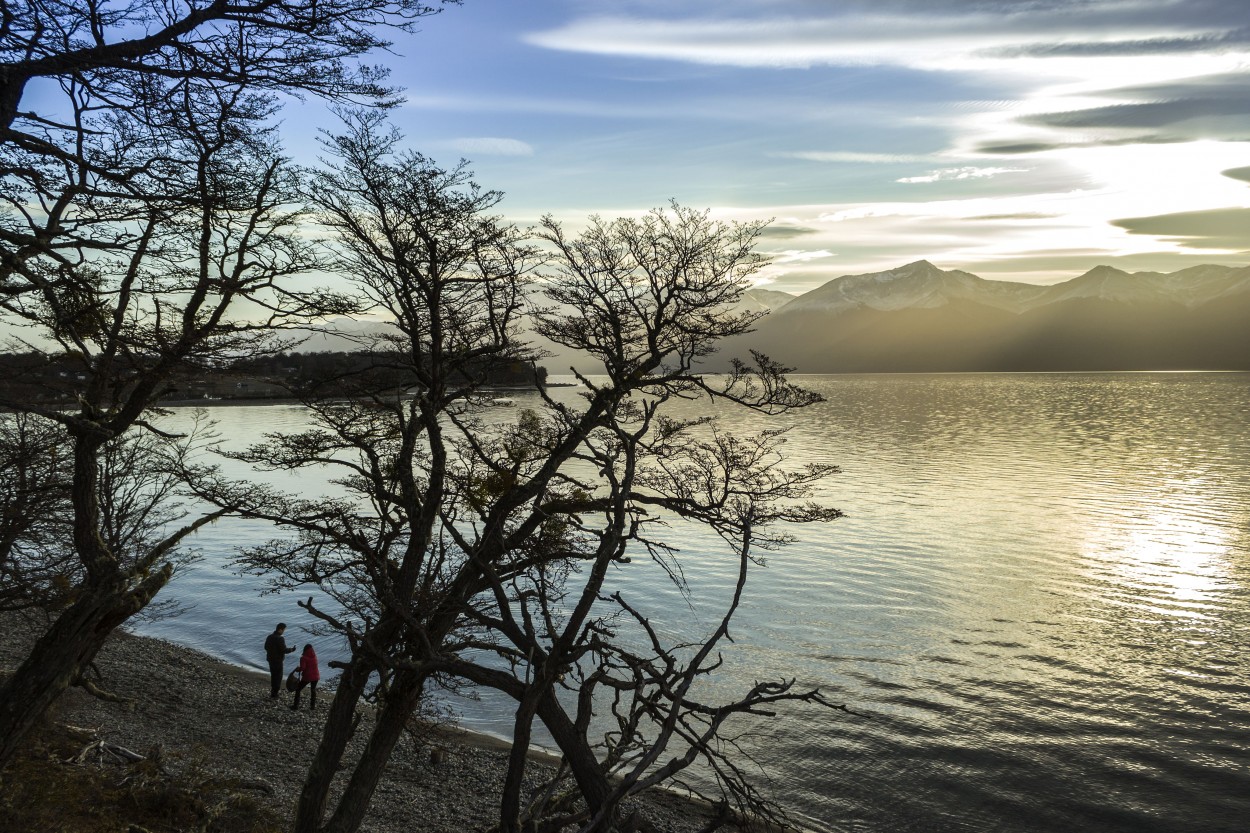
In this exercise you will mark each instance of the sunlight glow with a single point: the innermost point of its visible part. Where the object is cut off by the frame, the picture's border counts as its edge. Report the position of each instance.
(1167, 561)
(1092, 114)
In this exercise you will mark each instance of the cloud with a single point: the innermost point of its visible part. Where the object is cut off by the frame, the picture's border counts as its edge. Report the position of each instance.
(492, 146)
(798, 256)
(794, 34)
(1023, 148)
(1147, 46)
(1022, 215)
(1168, 111)
(651, 108)
(1215, 228)
(786, 232)
(1097, 88)
(970, 172)
(852, 156)
(1151, 114)
(743, 42)
(1239, 174)
(1214, 104)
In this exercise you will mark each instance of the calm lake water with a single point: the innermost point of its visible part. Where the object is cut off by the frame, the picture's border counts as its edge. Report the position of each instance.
(1038, 604)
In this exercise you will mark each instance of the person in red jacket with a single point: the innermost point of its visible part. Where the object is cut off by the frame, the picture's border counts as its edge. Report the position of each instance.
(309, 675)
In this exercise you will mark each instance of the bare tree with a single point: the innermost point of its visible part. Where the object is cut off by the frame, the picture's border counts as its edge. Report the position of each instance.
(138, 483)
(143, 220)
(649, 297)
(422, 246)
(461, 554)
(116, 61)
(110, 47)
(34, 494)
(206, 275)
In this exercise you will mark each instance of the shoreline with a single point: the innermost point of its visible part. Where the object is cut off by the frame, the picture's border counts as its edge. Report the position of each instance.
(290, 400)
(211, 715)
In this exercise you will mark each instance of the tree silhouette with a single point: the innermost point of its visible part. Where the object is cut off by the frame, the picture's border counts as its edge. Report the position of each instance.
(146, 230)
(467, 552)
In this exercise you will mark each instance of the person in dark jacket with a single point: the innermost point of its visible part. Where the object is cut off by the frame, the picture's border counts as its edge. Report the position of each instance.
(276, 651)
(309, 675)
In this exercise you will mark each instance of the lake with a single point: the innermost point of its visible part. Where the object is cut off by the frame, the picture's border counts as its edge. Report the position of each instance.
(1038, 603)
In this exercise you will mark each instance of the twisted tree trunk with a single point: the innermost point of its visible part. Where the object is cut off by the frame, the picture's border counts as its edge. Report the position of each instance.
(64, 652)
(339, 726)
(388, 729)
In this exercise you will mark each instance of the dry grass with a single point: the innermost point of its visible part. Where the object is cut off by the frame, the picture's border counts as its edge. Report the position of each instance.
(45, 791)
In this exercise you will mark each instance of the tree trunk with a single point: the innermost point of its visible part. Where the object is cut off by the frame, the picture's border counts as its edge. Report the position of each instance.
(389, 727)
(63, 652)
(592, 783)
(522, 729)
(587, 772)
(339, 726)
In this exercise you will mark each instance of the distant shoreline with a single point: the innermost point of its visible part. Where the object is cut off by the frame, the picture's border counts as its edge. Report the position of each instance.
(291, 400)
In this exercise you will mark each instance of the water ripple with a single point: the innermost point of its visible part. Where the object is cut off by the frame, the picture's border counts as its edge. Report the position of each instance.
(1037, 604)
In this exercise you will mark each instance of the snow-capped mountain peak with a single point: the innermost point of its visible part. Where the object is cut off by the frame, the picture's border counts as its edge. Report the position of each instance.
(764, 300)
(915, 285)
(921, 285)
(1190, 287)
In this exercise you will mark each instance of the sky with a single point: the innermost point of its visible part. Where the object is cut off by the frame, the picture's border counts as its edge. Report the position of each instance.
(1024, 140)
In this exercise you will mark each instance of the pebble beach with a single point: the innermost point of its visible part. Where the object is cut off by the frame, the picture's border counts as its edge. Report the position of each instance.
(218, 716)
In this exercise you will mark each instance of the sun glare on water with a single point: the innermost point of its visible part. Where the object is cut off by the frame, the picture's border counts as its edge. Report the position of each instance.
(1159, 555)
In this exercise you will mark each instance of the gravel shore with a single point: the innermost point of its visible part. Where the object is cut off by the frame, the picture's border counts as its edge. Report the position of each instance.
(221, 717)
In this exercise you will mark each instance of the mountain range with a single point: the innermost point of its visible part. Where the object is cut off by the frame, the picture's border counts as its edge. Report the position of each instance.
(919, 318)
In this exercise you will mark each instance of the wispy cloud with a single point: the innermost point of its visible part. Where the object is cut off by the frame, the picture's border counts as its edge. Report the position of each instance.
(1023, 215)
(949, 174)
(646, 109)
(1216, 228)
(1025, 147)
(962, 131)
(492, 146)
(798, 256)
(1163, 104)
(852, 156)
(487, 103)
(935, 35)
(1118, 48)
(781, 231)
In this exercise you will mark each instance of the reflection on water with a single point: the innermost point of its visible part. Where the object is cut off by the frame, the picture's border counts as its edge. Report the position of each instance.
(1038, 602)
(1168, 554)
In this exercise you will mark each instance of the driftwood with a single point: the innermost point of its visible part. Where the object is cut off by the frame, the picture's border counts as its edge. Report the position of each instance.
(99, 752)
(81, 732)
(105, 752)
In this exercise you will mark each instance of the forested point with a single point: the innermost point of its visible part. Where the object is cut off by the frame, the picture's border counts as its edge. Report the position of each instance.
(39, 378)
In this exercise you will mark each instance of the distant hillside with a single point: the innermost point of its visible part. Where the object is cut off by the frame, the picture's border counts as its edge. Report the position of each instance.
(920, 318)
(765, 300)
(343, 335)
(558, 359)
